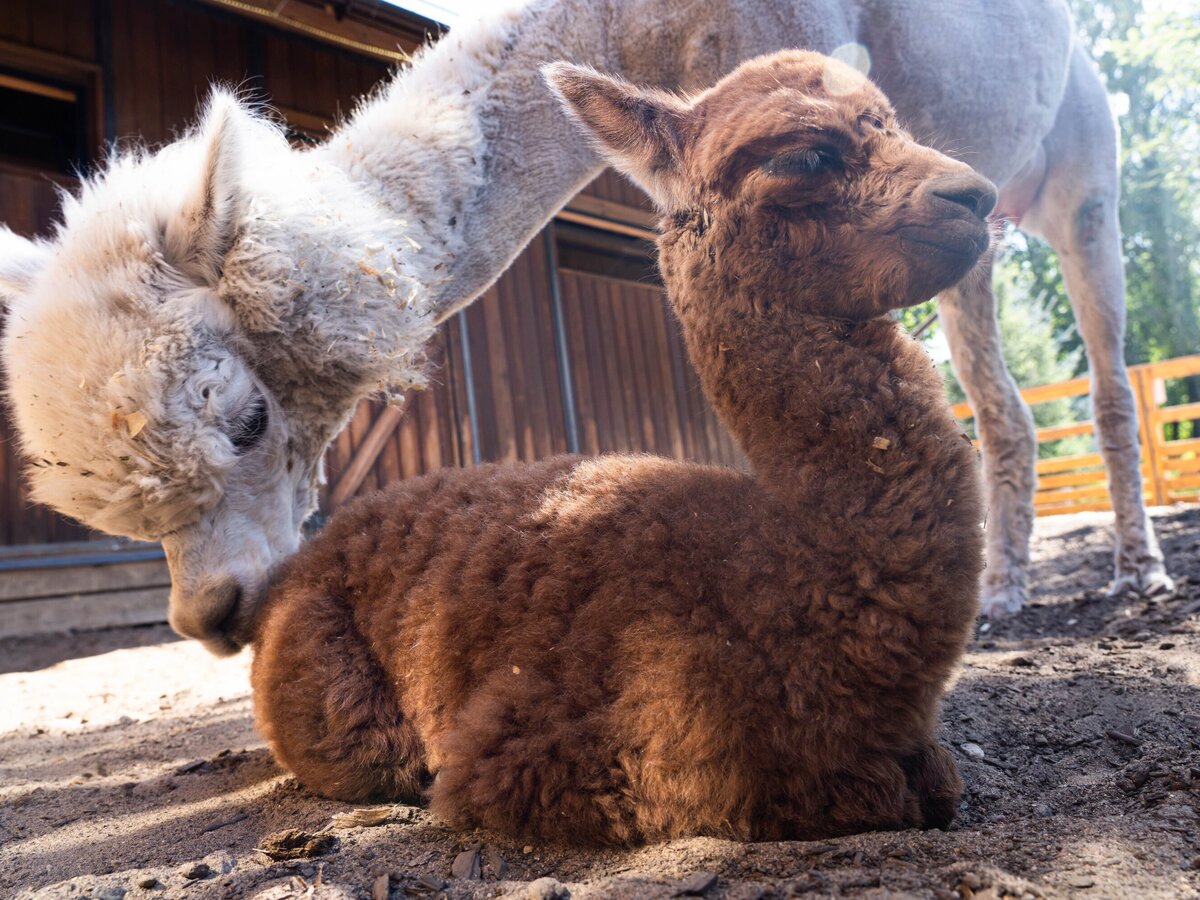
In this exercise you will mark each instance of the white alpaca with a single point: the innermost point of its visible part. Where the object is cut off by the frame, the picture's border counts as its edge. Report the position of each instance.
(206, 317)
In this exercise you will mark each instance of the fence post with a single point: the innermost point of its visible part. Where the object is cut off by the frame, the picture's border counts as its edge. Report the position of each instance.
(1142, 378)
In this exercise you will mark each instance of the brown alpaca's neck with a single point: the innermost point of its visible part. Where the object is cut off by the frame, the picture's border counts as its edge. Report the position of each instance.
(832, 414)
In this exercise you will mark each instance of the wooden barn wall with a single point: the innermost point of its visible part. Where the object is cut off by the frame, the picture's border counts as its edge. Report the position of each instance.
(632, 386)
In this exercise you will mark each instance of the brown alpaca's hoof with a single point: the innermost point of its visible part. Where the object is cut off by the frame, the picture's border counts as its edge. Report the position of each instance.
(933, 777)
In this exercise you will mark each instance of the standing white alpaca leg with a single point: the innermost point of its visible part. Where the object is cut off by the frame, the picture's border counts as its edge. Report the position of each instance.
(1005, 427)
(1076, 210)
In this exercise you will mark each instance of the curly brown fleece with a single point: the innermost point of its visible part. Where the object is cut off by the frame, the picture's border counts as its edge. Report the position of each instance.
(628, 648)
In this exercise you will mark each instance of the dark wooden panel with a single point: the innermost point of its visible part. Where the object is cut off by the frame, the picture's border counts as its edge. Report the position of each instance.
(635, 389)
(514, 368)
(615, 188)
(56, 26)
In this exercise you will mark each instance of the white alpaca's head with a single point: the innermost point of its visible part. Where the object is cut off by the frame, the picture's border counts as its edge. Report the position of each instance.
(150, 352)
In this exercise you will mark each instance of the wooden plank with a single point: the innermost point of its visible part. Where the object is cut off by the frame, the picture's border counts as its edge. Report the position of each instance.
(317, 23)
(1055, 432)
(1094, 476)
(1179, 367)
(29, 583)
(616, 370)
(1042, 498)
(78, 612)
(364, 458)
(1181, 481)
(1183, 411)
(1070, 508)
(1180, 447)
(658, 339)
(483, 378)
(585, 399)
(579, 218)
(499, 376)
(1044, 393)
(598, 207)
(1150, 436)
(1179, 464)
(1065, 463)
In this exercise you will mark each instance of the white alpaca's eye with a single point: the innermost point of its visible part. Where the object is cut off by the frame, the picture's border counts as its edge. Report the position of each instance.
(250, 427)
(808, 161)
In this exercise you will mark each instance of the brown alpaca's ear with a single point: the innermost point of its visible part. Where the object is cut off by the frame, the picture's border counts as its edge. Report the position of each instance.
(20, 262)
(640, 131)
(202, 230)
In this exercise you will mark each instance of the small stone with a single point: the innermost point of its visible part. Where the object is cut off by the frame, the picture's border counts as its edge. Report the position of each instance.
(495, 865)
(1045, 810)
(196, 871)
(1023, 662)
(974, 751)
(547, 889)
(148, 884)
(1081, 881)
(1166, 645)
(296, 844)
(1195, 863)
(467, 864)
(696, 884)
(426, 884)
(111, 892)
(381, 887)
(971, 880)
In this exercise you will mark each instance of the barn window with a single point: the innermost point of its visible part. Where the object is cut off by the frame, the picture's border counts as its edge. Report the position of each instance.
(42, 124)
(606, 253)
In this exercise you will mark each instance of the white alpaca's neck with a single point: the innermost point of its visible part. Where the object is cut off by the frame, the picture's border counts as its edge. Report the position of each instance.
(469, 147)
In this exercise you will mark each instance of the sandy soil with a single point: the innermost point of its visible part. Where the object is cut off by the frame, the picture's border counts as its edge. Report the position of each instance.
(129, 767)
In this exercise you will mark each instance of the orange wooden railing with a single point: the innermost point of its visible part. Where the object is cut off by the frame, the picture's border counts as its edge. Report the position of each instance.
(1170, 469)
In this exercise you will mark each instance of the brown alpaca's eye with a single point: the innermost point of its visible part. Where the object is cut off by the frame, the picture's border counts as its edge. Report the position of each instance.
(871, 119)
(249, 429)
(809, 161)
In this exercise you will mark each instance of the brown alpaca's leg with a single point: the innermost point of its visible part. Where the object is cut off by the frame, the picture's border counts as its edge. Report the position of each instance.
(327, 709)
(933, 777)
(875, 796)
(520, 763)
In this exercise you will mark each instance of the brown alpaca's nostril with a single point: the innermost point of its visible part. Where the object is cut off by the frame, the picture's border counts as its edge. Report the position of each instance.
(969, 191)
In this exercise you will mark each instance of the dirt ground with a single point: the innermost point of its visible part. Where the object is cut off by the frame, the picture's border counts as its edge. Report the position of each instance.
(129, 768)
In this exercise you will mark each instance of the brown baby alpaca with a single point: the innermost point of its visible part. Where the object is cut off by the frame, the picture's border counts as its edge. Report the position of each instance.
(627, 648)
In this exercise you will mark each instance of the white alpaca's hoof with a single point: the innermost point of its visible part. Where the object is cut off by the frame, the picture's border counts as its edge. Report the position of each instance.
(1002, 601)
(1152, 582)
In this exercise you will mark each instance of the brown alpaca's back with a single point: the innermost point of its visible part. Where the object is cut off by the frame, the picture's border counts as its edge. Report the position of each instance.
(622, 649)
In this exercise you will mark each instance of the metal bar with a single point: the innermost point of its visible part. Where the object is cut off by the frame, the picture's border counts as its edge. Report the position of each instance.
(566, 383)
(81, 559)
(464, 340)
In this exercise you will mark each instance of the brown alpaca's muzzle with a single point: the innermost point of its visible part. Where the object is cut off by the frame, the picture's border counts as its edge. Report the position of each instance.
(954, 211)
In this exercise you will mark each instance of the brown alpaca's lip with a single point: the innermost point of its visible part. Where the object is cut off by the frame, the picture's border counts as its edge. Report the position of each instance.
(962, 237)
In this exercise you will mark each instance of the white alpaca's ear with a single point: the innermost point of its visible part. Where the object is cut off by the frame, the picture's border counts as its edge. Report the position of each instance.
(20, 262)
(642, 132)
(202, 231)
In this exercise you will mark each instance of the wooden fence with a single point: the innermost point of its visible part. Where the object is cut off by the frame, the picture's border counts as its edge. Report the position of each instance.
(1079, 482)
